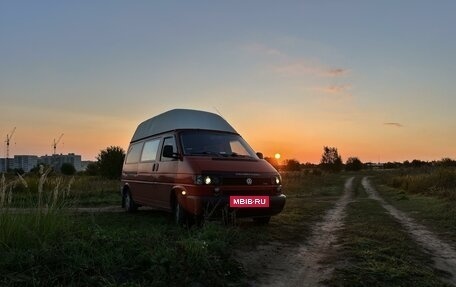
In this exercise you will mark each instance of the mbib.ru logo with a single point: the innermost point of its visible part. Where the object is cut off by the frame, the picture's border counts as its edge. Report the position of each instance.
(249, 201)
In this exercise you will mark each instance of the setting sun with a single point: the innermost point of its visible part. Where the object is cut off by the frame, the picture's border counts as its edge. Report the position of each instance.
(277, 156)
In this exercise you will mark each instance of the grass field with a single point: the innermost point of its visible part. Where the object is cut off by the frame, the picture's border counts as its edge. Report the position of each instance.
(51, 247)
(146, 248)
(78, 190)
(376, 251)
(434, 207)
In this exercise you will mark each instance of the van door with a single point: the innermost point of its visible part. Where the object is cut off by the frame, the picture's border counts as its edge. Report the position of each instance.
(130, 168)
(166, 173)
(147, 173)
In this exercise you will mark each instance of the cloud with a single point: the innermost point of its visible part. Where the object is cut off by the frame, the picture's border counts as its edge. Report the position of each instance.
(397, 125)
(337, 72)
(302, 67)
(288, 65)
(295, 69)
(334, 93)
(334, 89)
(261, 49)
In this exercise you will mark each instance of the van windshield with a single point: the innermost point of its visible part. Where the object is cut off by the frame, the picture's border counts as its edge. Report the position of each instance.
(215, 143)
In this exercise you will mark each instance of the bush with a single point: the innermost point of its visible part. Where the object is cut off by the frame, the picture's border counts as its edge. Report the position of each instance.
(353, 164)
(292, 165)
(438, 182)
(67, 169)
(110, 162)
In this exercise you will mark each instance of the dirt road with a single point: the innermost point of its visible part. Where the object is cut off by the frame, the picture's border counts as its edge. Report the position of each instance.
(281, 264)
(443, 254)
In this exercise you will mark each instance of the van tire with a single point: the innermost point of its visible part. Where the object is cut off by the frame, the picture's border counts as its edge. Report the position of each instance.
(262, 220)
(129, 203)
(180, 215)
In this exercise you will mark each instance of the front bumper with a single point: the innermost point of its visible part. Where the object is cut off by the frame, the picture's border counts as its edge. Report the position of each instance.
(211, 205)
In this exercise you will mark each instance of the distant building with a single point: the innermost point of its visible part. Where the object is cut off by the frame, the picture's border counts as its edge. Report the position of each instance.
(28, 162)
(85, 163)
(57, 160)
(4, 167)
(25, 162)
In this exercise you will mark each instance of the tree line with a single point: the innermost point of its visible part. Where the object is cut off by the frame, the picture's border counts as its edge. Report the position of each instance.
(331, 161)
(108, 165)
(110, 160)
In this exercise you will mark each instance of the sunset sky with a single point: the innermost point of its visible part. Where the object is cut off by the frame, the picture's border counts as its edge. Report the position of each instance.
(373, 78)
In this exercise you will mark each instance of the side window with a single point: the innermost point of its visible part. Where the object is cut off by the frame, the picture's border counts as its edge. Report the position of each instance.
(133, 153)
(172, 142)
(150, 150)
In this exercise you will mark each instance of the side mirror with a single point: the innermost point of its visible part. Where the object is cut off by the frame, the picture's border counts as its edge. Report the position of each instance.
(259, 155)
(168, 151)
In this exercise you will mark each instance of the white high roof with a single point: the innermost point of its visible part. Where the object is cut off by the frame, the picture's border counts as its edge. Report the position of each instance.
(181, 119)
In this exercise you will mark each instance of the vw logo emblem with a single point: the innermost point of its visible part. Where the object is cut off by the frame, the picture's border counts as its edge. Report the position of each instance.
(249, 181)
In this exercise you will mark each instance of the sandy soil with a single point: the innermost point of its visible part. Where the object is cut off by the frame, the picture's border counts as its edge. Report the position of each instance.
(443, 254)
(279, 264)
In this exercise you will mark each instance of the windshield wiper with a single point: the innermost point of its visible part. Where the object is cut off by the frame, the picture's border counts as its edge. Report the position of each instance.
(207, 153)
(234, 154)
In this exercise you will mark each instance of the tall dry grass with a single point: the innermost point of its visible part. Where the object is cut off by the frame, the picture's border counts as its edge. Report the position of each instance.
(44, 218)
(440, 182)
(85, 190)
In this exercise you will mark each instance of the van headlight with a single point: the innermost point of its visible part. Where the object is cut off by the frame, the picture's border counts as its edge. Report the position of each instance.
(276, 180)
(199, 179)
(206, 179)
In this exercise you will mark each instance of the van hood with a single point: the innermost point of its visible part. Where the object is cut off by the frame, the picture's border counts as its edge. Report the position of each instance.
(202, 164)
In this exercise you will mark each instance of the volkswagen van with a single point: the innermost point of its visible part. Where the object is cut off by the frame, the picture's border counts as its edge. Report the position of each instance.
(194, 164)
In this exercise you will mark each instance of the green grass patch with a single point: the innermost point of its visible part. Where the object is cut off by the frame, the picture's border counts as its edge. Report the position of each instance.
(436, 213)
(145, 248)
(377, 252)
(435, 181)
(80, 190)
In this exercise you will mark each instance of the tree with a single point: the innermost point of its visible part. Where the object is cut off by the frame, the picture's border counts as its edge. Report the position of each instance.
(446, 162)
(67, 169)
(292, 165)
(110, 162)
(353, 163)
(418, 163)
(92, 169)
(331, 160)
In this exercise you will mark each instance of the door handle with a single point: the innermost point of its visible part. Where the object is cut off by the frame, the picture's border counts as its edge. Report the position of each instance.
(156, 169)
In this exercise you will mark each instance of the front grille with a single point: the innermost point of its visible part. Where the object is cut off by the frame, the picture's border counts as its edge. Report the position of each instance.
(243, 181)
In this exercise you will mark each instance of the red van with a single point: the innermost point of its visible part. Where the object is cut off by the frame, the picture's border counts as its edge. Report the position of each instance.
(195, 164)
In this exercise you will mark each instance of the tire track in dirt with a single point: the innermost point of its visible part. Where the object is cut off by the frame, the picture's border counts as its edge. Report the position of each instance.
(279, 264)
(443, 254)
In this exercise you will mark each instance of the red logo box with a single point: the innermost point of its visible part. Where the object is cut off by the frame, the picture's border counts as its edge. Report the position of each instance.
(249, 201)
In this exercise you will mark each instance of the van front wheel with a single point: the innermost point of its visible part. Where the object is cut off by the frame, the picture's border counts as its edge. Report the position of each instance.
(180, 214)
(129, 204)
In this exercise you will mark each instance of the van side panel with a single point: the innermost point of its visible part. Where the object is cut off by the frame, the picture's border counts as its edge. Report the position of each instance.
(166, 179)
(130, 168)
(144, 189)
(166, 174)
